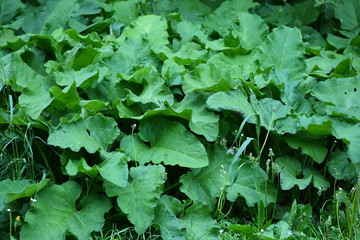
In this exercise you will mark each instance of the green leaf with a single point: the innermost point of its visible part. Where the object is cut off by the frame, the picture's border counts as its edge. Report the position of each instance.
(84, 76)
(342, 94)
(309, 145)
(114, 168)
(192, 108)
(9, 39)
(233, 100)
(154, 91)
(199, 223)
(89, 7)
(55, 212)
(165, 216)
(283, 49)
(192, 10)
(172, 72)
(293, 91)
(299, 14)
(325, 63)
(316, 125)
(190, 53)
(208, 77)
(91, 133)
(236, 66)
(205, 184)
(349, 14)
(153, 28)
(132, 54)
(341, 168)
(132, 146)
(9, 10)
(226, 14)
(243, 229)
(289, 169)
(126, 11)
(350, 133)
(139, 198)
(202, 121)
(170, 143)
(251, 31)
(188, 30)
(48, 16)
(270, 110)
(75, 166)
(36, 97)
(318, 179)
(244, 180)
(66, 98)
(12, 190)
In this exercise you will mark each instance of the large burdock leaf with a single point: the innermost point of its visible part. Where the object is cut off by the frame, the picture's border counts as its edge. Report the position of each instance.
(227, 14)
(12, 190)
(66, 98)
(199, 224)
(310, 145)
(154, 92)
(139, 198)
(270, 110)
(165, 215)
(55, 213)
(125, 11)
(341, 168)
(251, 31)
(233, 100)
(36, 96)
(131, 55)
(318, 179)
(244, 180)
(114, 168)
(9, 10)
(342, 93)
(204, 184)
(154, 28)
(208, 77)
(289, 169)
(92, 133)
(170, 143)
(350, 134)
(49, 16)
(349, 14)
(283, 50)
(201, 121)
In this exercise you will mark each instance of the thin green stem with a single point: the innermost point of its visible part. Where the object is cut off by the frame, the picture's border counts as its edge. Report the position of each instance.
(11, 223)
(172, 186)
(267, 133)
(133, 143)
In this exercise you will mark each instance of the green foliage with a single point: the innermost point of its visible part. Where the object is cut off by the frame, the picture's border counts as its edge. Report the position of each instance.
(193, 119)
(138, 199)
(55, 212)
(91, 133)
(12, 190)
(170, 143)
